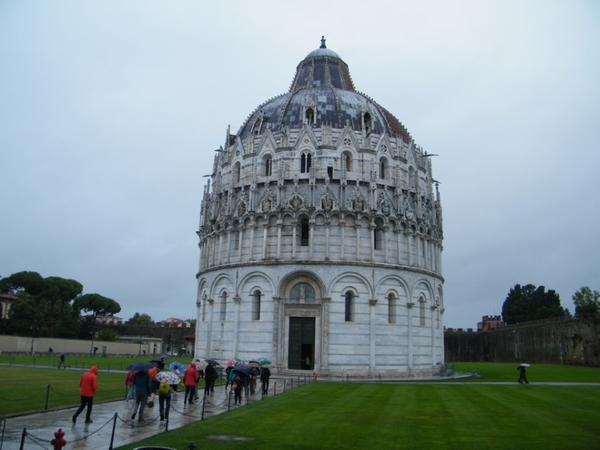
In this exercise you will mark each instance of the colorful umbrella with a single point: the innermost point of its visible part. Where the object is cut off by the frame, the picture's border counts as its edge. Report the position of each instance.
(232, 362)
(264, 362)
(177, 365)
(168, 377)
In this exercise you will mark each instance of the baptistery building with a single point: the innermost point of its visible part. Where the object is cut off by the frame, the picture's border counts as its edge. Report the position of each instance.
(321, 236)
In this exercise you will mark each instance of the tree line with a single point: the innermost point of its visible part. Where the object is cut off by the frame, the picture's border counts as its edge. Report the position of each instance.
(527, 303)
(52, 307)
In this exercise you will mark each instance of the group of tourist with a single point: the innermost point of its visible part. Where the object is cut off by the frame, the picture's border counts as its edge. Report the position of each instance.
(246, 381)
(145, 387)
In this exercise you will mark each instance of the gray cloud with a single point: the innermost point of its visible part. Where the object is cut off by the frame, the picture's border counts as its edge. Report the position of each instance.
(110, 112)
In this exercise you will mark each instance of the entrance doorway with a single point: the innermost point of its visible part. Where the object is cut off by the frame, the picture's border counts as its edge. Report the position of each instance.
(301, 354)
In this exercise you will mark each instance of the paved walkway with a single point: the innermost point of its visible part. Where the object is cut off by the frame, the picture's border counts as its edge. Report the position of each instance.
(40, 427)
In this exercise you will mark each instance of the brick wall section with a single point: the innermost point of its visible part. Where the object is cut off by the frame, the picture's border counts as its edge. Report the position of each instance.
(553, 341)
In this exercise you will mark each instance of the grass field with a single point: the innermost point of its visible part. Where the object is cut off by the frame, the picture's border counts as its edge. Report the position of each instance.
(464, 414)
(34, 383)
(413, 416)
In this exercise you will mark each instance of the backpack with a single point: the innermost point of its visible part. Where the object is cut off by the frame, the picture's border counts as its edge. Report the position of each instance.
(163, 388)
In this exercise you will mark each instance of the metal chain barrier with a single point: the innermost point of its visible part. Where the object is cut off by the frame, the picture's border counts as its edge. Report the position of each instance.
(206, 401)
(37, 440)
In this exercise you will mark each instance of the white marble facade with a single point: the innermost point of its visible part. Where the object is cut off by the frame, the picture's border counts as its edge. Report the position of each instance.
(321, 237)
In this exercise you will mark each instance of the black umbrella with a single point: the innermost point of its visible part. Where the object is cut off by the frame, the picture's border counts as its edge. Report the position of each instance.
(214, 362)
(141, 366)
(242, 370)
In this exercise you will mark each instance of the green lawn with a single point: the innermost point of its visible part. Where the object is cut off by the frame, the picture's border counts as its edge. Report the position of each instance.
(414, 416)
(464, 414)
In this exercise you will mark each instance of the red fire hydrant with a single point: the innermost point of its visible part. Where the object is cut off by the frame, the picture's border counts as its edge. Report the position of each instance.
(58, 442)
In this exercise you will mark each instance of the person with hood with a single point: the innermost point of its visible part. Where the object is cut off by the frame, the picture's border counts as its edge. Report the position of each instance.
(143, 387)
(190, 379)
(88, 384)
(130, 385)
(152, 374)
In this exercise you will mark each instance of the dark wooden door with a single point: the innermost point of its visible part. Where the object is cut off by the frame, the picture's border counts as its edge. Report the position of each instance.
(302, 343)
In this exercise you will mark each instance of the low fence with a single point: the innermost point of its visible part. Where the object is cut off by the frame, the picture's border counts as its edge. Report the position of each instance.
(203, 409)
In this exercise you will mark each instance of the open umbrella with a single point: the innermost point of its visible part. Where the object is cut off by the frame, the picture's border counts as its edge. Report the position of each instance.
(141, 366)
(242, 369)
(524, 365)
(214, 362)
(232, 362)
(177, 365)
(253, 364)
(167, 377)
(200, 365)
(264, 362)
(63, 353)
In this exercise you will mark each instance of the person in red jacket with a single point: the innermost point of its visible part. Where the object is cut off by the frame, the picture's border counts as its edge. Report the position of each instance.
(190, 380)
(87, 389)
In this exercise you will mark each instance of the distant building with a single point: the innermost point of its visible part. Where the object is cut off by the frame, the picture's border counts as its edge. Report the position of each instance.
(489, 323)
(174, 322)
(6, 301)
(109, 320)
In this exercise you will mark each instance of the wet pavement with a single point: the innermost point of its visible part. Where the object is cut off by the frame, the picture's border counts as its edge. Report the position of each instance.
(40, 427)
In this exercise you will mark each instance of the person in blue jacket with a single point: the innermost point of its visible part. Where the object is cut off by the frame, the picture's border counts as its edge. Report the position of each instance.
(143, 387)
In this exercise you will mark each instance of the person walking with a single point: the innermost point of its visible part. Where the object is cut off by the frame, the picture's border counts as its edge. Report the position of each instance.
(154, 383)
(228, 377)
(61, 362)
(190, 379)
(143, 387)
(210, 375)
(522, 375)
(236, 387)
(130, 385)
(88, 384)
(164, 400)
(265, 374)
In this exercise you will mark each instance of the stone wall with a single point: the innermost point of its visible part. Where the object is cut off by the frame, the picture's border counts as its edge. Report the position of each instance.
(552, 341)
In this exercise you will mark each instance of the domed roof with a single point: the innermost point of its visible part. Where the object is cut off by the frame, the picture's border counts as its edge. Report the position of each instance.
(323, 84)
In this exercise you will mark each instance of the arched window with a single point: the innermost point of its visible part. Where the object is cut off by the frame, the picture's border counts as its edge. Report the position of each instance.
(256, 297)
(367, 123)
(392, 301)
(237, 172)
(268, 166)
(305, 162)
(309, 116)
(349, 307)
(304, 232)
(412, 178)
(204, 301)
(347, 161)
(378, 235)
(382, 168)
(235, 237)
(422, 311)
(223, 311)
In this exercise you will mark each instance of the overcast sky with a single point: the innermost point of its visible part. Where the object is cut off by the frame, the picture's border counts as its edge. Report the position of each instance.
(110, 112)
